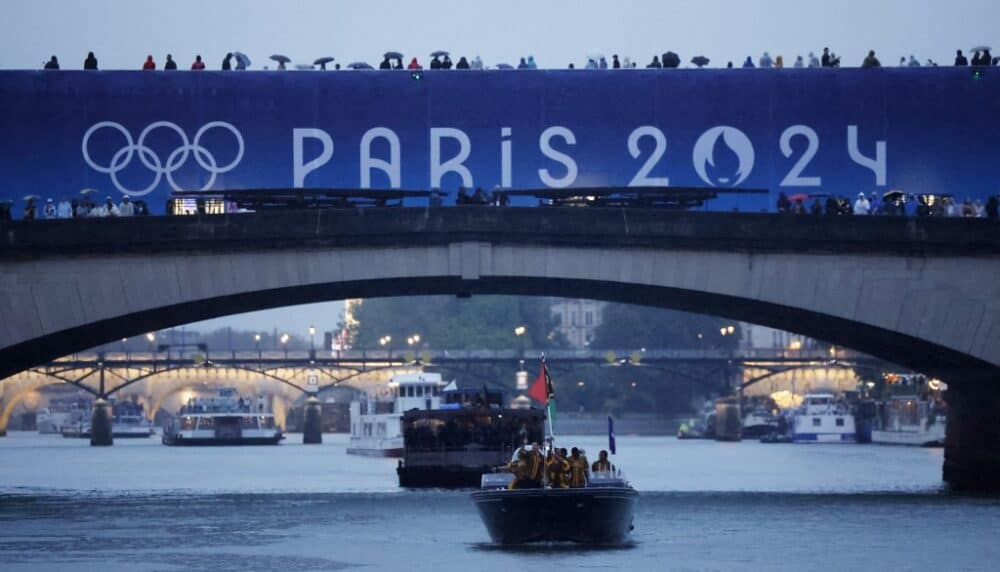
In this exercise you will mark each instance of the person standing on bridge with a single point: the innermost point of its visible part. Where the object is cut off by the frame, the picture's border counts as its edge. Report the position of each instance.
(149, 64)
(91, 62)
(993, 207)
(64, 209)
(960, 59)
(227, 62)
(871, 61)
(49, 210)
(197, 65)
(52, 64)
(862, 206)
(126, 208)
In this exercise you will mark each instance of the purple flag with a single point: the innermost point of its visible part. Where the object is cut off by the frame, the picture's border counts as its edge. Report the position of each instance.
(611, 435)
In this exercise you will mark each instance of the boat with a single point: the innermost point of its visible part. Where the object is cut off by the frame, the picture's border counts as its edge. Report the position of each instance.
(129, 421)
(376, 420)
(60, 412)
(909, 420)
(822, 419)
(471, 432)
(758, 422)
(601, 513)
(225, 419)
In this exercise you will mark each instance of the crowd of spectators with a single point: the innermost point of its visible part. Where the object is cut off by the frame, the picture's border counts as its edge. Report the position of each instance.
(76, 208)
(893, 203)
(442, 61)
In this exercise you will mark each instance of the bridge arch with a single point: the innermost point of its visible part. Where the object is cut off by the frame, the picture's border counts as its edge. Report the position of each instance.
(902, 289)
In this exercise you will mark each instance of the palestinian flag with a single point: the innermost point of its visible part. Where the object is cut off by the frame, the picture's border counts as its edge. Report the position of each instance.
(541, 390)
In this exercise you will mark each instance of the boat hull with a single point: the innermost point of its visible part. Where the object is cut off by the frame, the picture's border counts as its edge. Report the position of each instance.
(909, 438)
(210, 442)
(395, 452)
(599, 516)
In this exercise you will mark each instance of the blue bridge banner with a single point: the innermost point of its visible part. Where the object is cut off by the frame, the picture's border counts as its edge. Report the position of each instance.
(144, 134)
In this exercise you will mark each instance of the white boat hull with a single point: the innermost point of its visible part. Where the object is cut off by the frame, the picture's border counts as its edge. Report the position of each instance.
(932, 436)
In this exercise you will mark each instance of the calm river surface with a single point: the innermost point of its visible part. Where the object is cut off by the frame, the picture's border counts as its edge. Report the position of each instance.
(705, 506)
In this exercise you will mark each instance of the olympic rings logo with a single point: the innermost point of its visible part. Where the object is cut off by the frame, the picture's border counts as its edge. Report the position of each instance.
(123, 157)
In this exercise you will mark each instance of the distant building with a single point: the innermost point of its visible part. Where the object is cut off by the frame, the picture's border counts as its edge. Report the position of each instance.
(577, 319)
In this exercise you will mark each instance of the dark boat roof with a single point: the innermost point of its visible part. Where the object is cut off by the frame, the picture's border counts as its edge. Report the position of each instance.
(472, 412)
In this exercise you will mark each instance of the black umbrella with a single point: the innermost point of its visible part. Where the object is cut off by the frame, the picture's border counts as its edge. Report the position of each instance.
(321, 62)
(281, 59)
(394, 55)
(893, 194)
(700, 61)
(439, 53)
(360, 66)
(671, 60)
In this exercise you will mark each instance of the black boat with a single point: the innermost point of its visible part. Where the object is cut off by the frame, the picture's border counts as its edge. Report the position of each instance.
(598, 514)
(470, 434)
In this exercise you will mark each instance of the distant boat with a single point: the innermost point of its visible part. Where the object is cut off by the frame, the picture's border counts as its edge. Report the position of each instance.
(821, 419)
(909, 420)
(223, 420)
(376, 421)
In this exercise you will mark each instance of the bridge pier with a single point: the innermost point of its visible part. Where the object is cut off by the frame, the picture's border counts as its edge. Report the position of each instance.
(312, 422)
(100, 424)
(972, 441)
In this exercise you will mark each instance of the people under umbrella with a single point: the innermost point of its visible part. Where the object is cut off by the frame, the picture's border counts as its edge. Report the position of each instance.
(559, 469)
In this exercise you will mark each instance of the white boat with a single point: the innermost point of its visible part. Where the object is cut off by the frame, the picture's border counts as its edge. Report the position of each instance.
(61, 412)
(226, 419)
(376, 421)
(821, 419)
(49, 421)
(908, 420)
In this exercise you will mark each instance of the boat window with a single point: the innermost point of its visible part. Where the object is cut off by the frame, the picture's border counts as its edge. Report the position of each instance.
(187, 423)
(436, 391)
(409, 391)
(840, 422)
(206, 423)
(420, 391)
(816, 422)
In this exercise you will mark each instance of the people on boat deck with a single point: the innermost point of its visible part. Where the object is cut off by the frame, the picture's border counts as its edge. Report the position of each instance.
(556, 466)
(602, 464)
(527, 468)
(579, 468)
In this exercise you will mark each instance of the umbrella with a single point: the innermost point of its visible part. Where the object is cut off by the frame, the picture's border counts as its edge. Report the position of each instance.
(895, 193)
(671, 60)
(439, 53)
(981, 49)
(32, 198)
(242, 61)
(700, 61)
(303, 67)
(504, 67)
(799, 197)
(88, 191)
(359, 66)
(595, 55)
(281, 59)
(394, 55)
(321, 62)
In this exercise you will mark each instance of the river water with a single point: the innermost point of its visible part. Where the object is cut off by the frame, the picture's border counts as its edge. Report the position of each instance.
(141, 506)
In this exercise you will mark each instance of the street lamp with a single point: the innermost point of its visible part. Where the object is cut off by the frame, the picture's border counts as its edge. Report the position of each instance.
(386, 341)
(519, 332)
(256, 342)
(312, 342)
(284, 343)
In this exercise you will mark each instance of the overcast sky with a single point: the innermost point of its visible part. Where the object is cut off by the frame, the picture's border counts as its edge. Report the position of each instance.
(122, 32)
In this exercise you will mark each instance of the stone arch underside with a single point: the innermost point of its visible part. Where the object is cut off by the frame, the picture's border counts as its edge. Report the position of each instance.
(864, 302)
